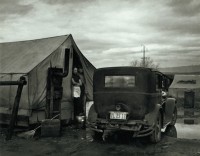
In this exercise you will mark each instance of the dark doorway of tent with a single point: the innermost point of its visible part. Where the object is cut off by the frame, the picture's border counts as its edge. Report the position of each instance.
(79, 102)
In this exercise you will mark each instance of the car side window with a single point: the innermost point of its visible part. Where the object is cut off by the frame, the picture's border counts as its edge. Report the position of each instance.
(159, 82)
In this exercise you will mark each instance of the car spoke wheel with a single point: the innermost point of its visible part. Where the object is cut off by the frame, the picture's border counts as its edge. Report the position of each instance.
(156, 135)
(174, 117)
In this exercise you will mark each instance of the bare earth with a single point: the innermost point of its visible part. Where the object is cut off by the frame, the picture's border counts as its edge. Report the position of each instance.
(77, 143)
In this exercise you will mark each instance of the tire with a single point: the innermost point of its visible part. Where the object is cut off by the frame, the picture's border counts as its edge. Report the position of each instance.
(155, 137)
(174, 117)
(171, 131)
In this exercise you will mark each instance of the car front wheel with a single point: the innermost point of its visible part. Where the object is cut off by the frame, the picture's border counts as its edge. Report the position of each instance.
(156, 135)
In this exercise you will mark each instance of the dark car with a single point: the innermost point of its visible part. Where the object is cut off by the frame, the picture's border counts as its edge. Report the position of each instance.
(133, 100)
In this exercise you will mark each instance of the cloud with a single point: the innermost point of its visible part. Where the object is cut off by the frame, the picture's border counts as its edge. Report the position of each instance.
(118, 51)
(185, 7)
(9, 8)
(111, 32)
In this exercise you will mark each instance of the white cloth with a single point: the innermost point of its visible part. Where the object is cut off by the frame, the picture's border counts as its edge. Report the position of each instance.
(76, 91)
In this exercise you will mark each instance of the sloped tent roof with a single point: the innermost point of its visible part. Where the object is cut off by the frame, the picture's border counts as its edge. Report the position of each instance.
(23, 56)
(186, 81)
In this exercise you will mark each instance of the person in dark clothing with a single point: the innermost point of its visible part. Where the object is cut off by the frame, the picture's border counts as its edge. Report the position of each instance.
(83, 96)
(76, 82)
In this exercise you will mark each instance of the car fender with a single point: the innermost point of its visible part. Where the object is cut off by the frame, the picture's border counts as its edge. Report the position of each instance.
(170, 104)
(151, 117)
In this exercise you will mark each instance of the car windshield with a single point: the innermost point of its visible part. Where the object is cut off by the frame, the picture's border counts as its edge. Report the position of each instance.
(125, 81)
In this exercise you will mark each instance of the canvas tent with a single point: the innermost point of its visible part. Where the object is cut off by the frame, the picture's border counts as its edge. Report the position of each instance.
(184, 83)
(32, 59)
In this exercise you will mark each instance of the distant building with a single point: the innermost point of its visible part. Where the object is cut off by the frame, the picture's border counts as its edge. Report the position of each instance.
(186, 83)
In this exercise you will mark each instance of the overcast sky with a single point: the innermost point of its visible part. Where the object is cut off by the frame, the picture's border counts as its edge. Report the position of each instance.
(111, 32)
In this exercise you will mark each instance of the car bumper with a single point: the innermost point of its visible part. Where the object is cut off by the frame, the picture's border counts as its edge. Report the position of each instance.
(137, 127)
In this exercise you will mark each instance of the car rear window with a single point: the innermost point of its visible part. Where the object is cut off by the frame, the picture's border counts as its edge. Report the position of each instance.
(125, 81)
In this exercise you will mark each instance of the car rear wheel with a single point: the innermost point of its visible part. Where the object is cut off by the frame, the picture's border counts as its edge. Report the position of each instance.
(156, 135)
(174, 117)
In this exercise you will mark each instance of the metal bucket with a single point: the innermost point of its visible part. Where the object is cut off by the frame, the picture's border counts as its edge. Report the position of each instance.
(80, 120)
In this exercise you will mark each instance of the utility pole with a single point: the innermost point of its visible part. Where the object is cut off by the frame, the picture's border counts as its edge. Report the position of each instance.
(144, 56)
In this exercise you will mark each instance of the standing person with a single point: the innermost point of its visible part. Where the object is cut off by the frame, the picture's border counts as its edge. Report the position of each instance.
(83, 96)
(76, 82)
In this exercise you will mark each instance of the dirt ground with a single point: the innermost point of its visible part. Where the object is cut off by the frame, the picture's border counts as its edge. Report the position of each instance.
(76, 142)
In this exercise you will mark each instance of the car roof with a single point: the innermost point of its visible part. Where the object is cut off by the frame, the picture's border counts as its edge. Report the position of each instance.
(124, 68)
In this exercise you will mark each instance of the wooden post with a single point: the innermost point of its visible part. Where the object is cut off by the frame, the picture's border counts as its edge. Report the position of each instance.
(54, 91)
(21, 83)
